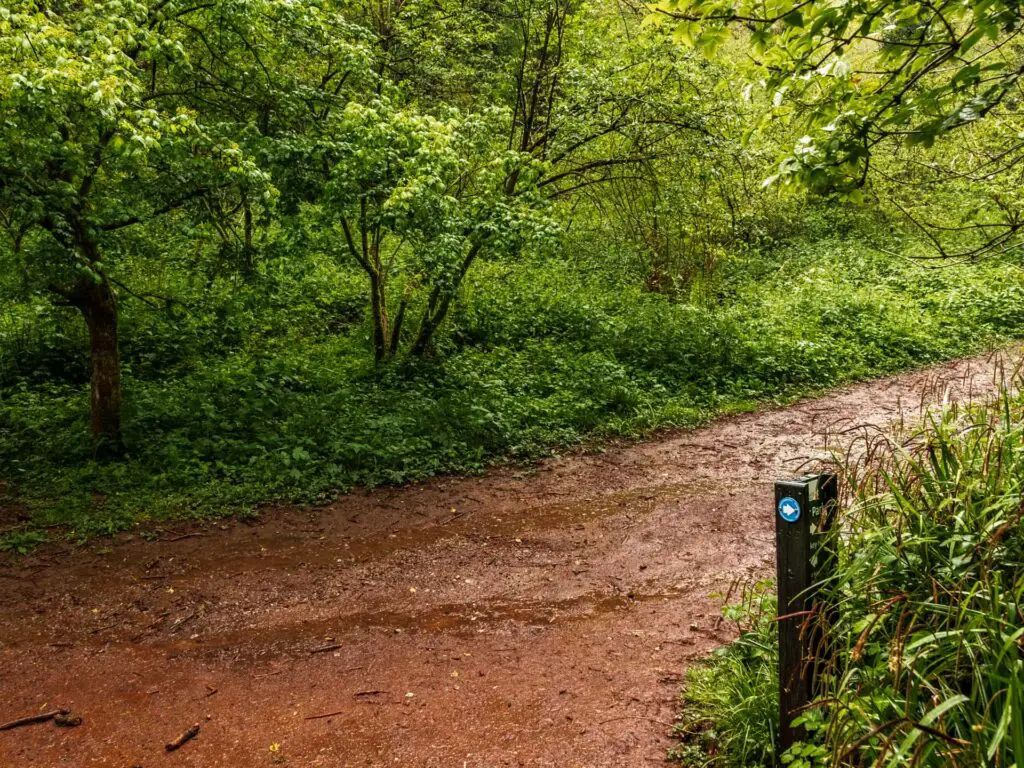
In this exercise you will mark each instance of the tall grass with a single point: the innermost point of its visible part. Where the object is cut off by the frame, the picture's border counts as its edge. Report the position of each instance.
(928, 591)
(930, 661)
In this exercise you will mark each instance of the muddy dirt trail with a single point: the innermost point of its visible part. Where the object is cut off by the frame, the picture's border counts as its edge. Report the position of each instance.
(538, 617)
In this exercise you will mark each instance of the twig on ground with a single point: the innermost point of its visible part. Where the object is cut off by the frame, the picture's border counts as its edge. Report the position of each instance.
(159, 620)
(42, 717)
(325, 715)
(185, 536)
(636, 717)
(326, 648)
(186, 737)
(179, 623)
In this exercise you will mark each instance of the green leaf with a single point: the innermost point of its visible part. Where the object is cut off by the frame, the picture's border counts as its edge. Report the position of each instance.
(711, 39)
(794, 19)
(686, 32)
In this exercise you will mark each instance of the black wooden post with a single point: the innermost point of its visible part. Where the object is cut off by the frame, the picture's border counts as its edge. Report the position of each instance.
(804, 510)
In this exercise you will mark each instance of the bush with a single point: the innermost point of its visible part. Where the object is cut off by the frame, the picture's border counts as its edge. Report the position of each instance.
(930, 668)
(929, 626)
(730, 704)
(265, 390)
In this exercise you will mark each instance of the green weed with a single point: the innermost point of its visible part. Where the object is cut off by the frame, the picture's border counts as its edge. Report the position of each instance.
(729, 715)
(22, 541)
(266, 391)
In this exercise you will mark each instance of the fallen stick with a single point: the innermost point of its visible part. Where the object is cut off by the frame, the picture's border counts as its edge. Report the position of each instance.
(179, 623)
(321, 717)
(635, 717)
(182, 740)
(326, 648)
(42, 717)
(160, 620)
(186, 536)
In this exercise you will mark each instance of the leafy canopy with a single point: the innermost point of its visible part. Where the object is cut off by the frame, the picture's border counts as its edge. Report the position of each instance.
(86, 147)
(863, 74)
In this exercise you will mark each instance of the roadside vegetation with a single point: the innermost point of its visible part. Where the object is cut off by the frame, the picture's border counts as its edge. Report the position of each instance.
(247, 397)
(266, 251)
(928, 629)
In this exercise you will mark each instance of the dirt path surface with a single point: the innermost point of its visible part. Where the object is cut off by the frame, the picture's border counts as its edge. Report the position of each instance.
(538, 617)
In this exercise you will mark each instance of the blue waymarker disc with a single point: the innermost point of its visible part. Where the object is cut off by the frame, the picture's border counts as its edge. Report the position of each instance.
(789, 510)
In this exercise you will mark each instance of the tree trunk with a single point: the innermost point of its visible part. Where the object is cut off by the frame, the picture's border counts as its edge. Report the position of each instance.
(98, 306)
(396, 329)
(438, 305)
(248, 252)
(433, 316)
(379, 308)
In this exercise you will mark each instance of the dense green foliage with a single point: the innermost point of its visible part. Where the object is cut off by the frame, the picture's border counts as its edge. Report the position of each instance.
(930, 589)
(265, 390)
(870, 85)
(928, 592)
(265, 250)
(408, 140)
(730, 711)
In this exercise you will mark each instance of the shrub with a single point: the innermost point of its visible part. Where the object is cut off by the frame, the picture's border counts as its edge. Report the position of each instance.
(730, 712)
(928, 596)
(930, 668)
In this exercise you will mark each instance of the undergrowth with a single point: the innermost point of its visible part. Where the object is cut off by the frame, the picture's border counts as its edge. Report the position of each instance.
(265, 391)
(730, 702)
(929, 610)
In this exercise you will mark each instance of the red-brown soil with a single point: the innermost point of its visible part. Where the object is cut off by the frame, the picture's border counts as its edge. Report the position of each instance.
(527, 617)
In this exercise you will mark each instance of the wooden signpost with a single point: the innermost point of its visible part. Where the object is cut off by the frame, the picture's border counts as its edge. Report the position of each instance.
(804, 511)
